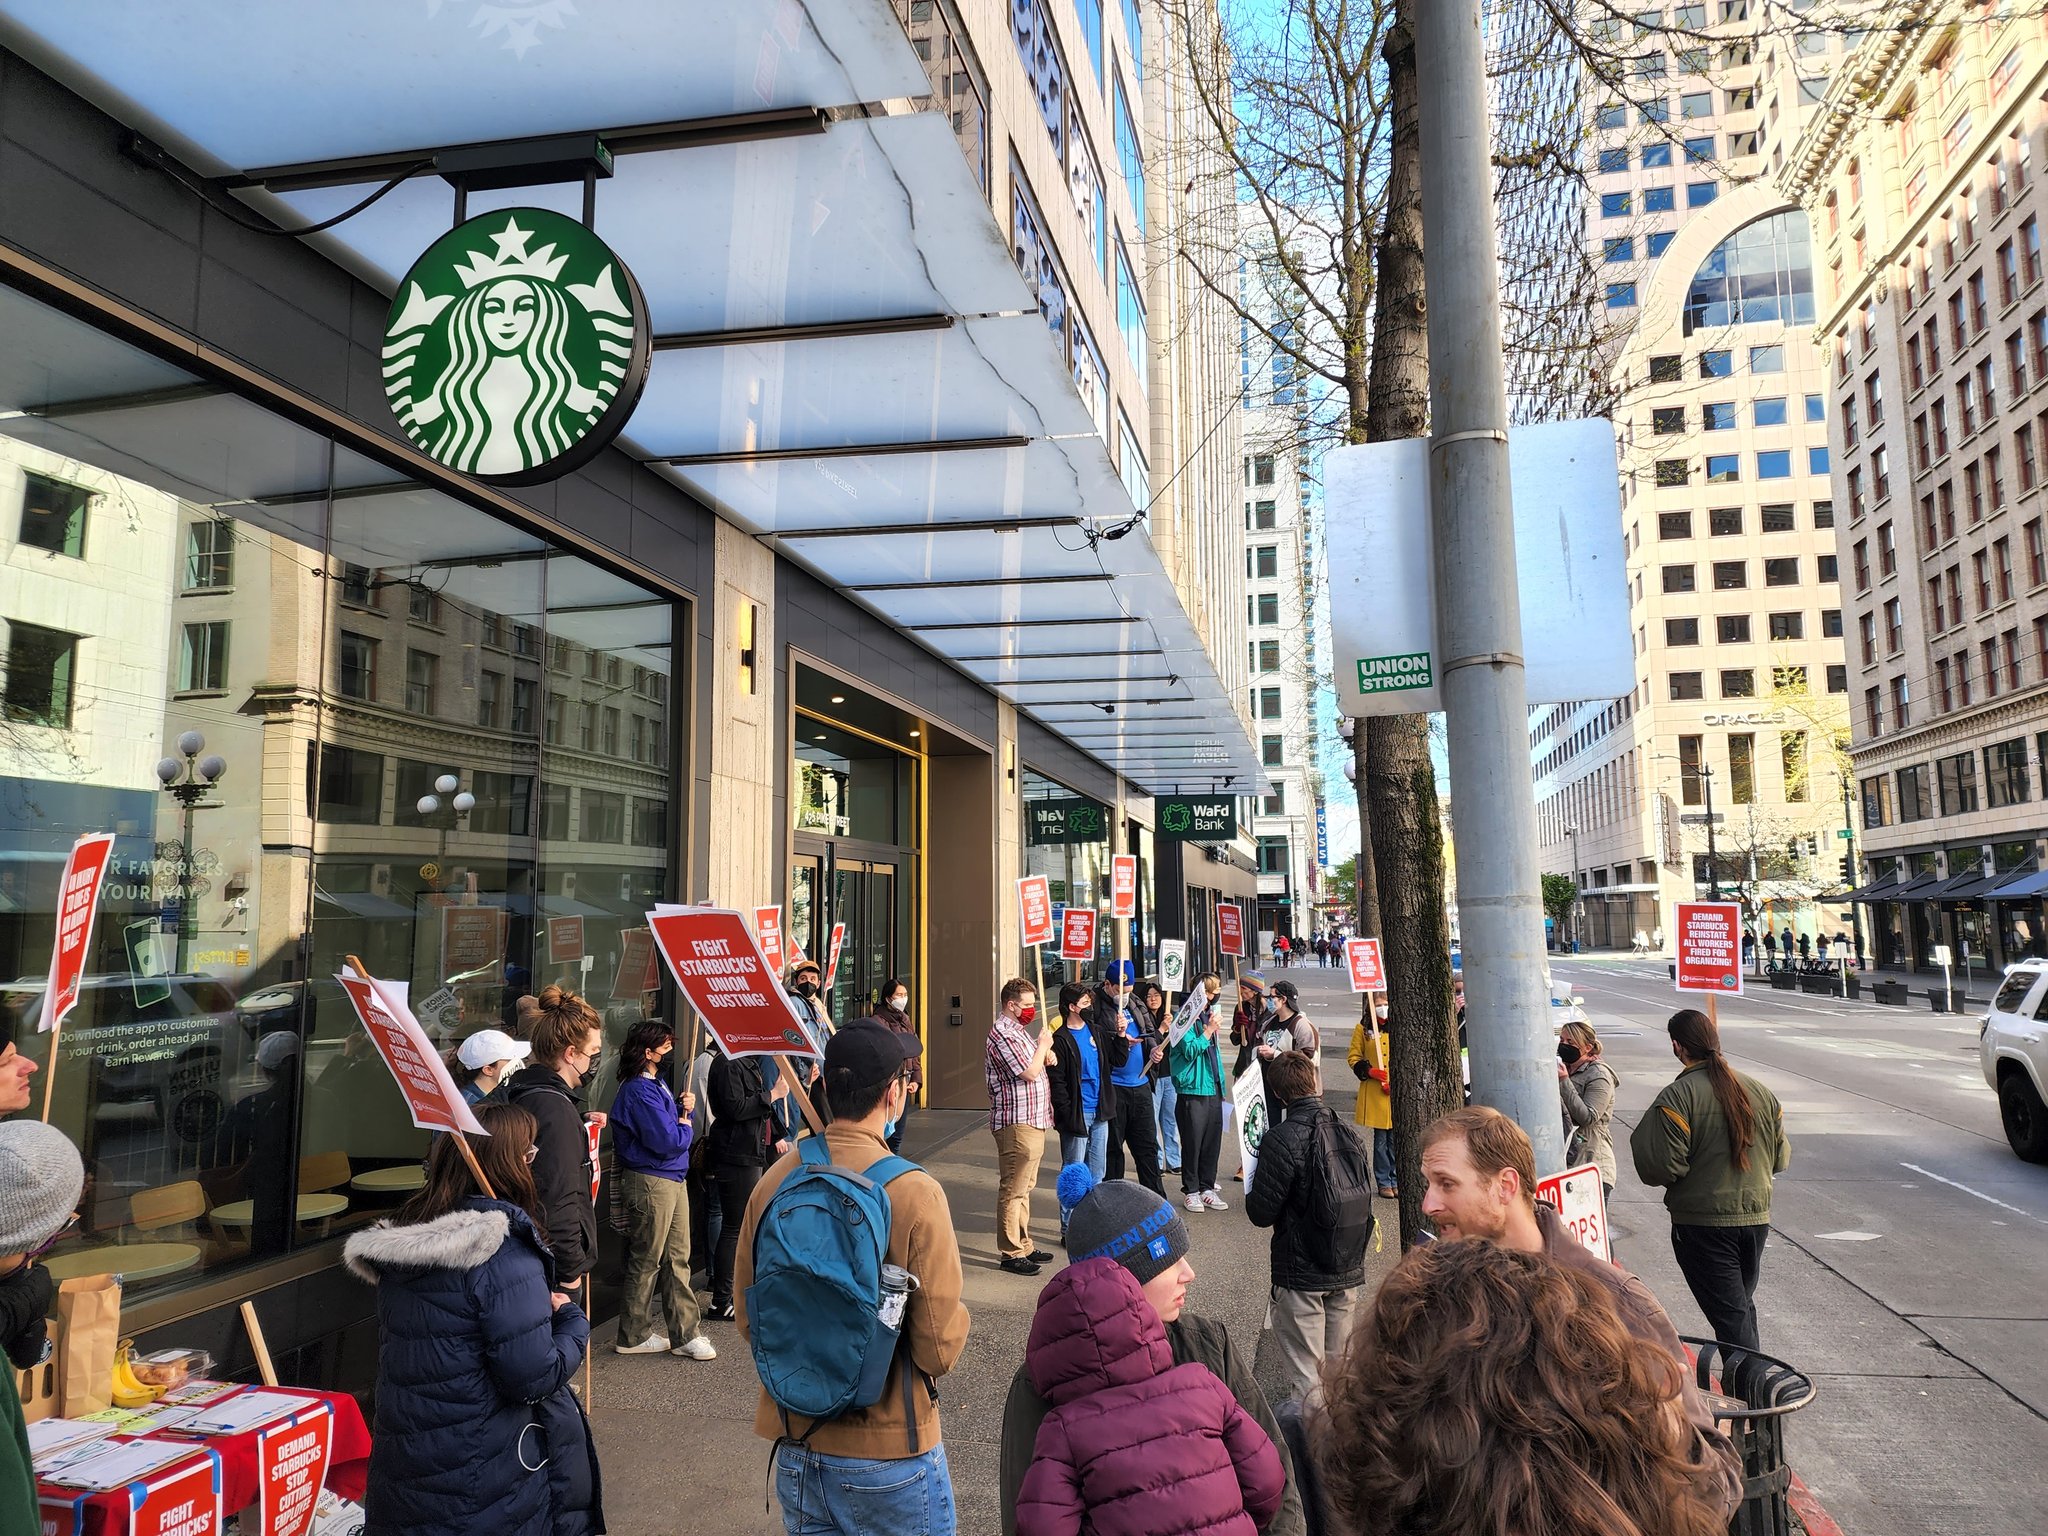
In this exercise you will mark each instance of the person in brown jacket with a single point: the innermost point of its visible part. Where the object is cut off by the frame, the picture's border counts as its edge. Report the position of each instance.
(858, 1473)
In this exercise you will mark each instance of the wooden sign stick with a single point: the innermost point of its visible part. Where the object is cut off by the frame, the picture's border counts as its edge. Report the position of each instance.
(796, 1091)
(262, 1350)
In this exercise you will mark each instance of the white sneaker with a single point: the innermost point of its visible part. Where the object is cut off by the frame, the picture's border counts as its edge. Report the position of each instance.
(1194, 1203)
(1215, 1202)
(698, 1348)
(653, 1344)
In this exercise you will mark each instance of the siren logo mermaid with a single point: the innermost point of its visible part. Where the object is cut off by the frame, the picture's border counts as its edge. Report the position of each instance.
(498, 367)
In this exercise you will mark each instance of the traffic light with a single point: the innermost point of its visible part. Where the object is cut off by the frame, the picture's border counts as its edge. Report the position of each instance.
(1848, 869)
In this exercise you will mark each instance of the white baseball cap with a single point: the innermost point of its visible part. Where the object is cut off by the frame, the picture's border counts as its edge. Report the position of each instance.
(489, 1045)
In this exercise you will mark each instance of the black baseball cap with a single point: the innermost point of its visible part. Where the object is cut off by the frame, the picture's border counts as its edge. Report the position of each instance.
(869, 1052)
(1286, 989)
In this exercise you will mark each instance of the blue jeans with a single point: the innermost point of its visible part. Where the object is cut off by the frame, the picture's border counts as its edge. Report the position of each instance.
(1383, 1159)
(1164, 1094)
(828, 1495)
(1092, 1149)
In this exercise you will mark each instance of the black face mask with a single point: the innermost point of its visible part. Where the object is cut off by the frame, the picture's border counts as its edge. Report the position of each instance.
(807, 989)
(1568, 1053)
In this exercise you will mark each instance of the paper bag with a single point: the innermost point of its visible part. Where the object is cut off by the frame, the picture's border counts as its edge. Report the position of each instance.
(38, 1388)
(88, 1329)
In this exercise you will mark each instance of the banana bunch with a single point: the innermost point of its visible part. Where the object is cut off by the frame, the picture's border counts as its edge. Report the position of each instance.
(128, 1391)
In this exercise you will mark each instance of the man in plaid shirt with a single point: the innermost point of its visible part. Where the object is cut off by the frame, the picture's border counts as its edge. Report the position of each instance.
(1019, 1114)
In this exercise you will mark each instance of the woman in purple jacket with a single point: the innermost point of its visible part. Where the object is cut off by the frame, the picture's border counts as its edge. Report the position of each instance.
(651, 1144)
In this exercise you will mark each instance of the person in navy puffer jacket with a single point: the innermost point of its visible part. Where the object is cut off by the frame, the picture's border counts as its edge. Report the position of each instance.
(1134, 1445)
(477, 1432)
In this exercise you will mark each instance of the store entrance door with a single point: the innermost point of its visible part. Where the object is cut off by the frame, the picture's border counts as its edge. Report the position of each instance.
(836, 880)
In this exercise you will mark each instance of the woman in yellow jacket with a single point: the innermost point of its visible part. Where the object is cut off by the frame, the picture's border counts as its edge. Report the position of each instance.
(1369, 1060)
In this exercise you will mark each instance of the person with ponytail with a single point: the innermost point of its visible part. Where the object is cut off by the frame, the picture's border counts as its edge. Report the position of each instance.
(1713, 1140)
(568, 1038)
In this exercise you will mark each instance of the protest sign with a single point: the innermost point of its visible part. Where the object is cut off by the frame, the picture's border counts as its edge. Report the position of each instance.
(78, 903)
(1579, 1201)
(1248, 1099)
(1034, 906)
(431, 1096)
(182, 1502)
(565, 939)
(472, 940)
(832, 955)
(718, 963)
(768, 929)
(1173, 965)
(1123, 885)
(1230, 930)
(636, 974)
(1077, 934)
(1710, 947)
(291, 1469)
(1367, 974)
(594, 1130)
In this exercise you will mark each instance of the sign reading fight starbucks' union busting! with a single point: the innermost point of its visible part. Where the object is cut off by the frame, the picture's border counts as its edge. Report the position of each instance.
(516, 348)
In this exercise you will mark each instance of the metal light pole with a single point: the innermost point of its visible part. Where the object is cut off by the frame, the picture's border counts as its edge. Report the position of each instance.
(1713, 861)
(188, 779)
(1573, 834)
(1849, 830)
(1480, 668)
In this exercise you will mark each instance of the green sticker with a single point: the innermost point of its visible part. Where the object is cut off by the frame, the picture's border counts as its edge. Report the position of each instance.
(516, 348)
(1391, 674)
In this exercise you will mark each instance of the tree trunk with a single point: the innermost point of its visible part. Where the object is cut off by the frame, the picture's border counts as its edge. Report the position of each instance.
(1398, 780)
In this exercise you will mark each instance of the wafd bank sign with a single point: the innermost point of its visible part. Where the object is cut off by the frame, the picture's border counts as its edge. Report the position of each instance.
(516, 348)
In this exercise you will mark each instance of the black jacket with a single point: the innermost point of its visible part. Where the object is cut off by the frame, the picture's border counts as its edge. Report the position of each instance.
(741, 1114)
(1279, 1195)
(1063, 1075)
(561, 1169)
(1109, 1013)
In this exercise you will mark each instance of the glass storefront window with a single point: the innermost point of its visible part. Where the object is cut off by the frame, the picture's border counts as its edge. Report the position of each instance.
(1072, 851)
(345, 641)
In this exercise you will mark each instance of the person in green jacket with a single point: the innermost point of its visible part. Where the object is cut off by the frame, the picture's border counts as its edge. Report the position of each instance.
(41, 1178)
(1713, 1140)
(1196, 1065)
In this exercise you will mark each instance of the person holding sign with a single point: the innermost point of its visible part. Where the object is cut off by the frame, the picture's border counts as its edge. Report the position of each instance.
(1134, 1123)
(1370, 1057)
(1087, 1049)
(1019, 1115)
(1198, 1093)
(745, 1138)
(477, 1432)
(651, 1136)
(567, 1041)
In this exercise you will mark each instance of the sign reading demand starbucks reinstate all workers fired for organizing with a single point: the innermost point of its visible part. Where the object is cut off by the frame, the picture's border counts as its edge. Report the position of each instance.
(516, 348)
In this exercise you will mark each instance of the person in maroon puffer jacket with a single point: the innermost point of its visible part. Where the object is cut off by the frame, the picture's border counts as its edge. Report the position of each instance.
(1134, 1445)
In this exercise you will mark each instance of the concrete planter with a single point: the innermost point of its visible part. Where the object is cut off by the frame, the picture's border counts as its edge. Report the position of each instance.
(1891, 993)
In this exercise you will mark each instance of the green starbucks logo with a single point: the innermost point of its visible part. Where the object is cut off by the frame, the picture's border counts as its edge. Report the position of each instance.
(516, 348)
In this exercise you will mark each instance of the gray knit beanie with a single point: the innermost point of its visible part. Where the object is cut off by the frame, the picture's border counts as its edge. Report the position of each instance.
(1128, 1223)
(41, 1179)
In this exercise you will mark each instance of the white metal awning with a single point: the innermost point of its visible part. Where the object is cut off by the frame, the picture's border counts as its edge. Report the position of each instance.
(847, 364)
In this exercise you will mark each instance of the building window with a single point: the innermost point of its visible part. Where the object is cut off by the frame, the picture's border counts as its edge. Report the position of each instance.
(1130, 155)
(1723, 468)
(351, 786)
(1719, 417)
(1666, 420)
(1784, 572)
(1674, 525)
(1130, 314)
(1621, 295)
(1768, 412)
(1131, 463)
(1788, 626)
(42, 667)
(1659, 199)
(356, 667)
(1681, 631)
(2005, 773)
(1738, 683)
(1269, 751)
(604, 817)
(1732, 629)
(1687, 685)
(1269, 703)
(1267, 608)
(209, 554)
(608, 743)
(1776, 517)
(1730, 575)
(1742, 769)
(203, 658)
(53, 515)
(422, 604)
(1722, 521)
(1619, 248)
(1673, 471)
(1269, 655)
(1792, 763)
(1774, 464)
(1678, 578)
(1877, 802)
(1957, 778)
(1669, 369)
(1762, 272)
(1691, 783)
(1831, 623)
(1838, 677)
(422, 669)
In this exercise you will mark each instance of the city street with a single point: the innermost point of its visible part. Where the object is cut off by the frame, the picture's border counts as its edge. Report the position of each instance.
(1907, 1254)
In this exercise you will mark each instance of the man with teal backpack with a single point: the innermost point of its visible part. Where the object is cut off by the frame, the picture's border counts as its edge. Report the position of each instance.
(848, 1284)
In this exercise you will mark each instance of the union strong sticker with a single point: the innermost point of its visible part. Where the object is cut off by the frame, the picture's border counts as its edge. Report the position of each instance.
(516, 348)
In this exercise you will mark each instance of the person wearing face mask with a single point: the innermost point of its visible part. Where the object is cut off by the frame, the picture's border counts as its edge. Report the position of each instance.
(1019, 1115)
(893, 1012)
(1585, 1087)
(1087, 1050)
(482, 1063)
(1369, 1057)
(651, 1137)
(41, 1180)
(1197, 1067)
(1133, 1122)
(807, 995)
(568, 1038)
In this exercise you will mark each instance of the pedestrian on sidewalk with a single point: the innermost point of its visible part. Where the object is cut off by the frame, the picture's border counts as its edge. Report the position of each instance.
(1287, 1028)
(1197, 1067)
(1481, 1176)
(1308, 1161)
(482, 1064)
(1085, 1050)
(1132, 1120)
(651, 1145)
(477, 1432)
(42, 1181)
(1714, 1140)
(1134, 1444)
(893, 1012)
(1019, 1115)
(1164, 1094)
(880, 1467)
(745, 1138)
(1585, 1088)
(1491, 1390)
(1143, 1234)
(1248, 1022)
(568, 1039)
(1371, 1057)
(1281, 950)
(806, 994)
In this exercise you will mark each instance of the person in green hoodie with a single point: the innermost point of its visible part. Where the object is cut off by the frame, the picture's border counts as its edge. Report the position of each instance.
(1713, 1140)
(41, 1178)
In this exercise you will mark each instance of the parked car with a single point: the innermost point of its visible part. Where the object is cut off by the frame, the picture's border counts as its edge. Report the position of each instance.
(2013, 1046)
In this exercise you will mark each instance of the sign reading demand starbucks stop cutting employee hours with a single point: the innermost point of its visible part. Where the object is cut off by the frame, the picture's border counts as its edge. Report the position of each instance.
(1390, 674)
(516, 348)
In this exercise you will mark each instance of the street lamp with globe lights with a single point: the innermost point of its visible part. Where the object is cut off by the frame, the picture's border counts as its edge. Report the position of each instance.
(447, 789)
(189, 778)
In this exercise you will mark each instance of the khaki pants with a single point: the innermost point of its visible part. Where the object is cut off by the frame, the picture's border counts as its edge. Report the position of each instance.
(1310, 1327)
(657, 1287)
(1018, 1149)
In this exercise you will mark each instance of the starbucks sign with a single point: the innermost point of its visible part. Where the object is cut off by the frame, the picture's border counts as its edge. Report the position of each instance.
(516, 348)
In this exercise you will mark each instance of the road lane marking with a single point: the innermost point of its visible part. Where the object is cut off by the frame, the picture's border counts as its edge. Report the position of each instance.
(1991, 1199)
(1849, 1237)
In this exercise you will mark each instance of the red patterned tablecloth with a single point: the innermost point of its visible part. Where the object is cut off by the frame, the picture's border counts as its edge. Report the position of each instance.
(106, 1514)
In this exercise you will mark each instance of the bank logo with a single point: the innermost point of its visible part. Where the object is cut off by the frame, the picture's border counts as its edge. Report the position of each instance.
(516, 348)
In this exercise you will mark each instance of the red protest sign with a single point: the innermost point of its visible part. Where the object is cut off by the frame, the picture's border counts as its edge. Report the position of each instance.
(636, 974)
(1577, 1198)
(565, 939)
(472, 939)
(1034, 909)
(1230, 930)
(718, 964)
(594, 1130)
(1710, 947)
(768, 929)
(60, 1516)
(291, 1468)
(1123, 885)
(78, 903)
(1367, 974)
(1077, 934)
(832, 955)
(182, 1502)
(430, 1093)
